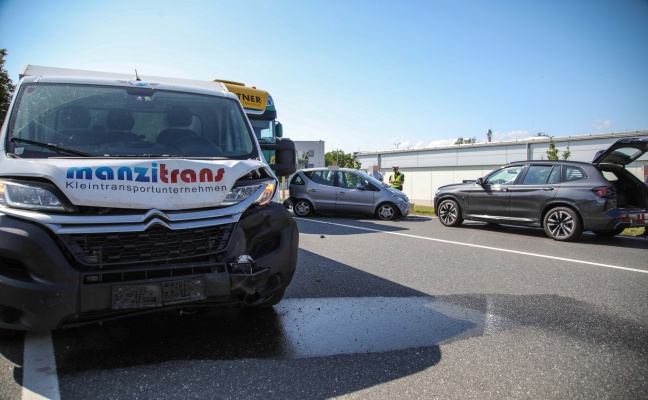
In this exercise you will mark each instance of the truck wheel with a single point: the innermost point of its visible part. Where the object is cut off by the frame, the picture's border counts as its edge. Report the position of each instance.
(387, 212)
(302, 208)
(268, 301)
(449, 213)
(563, 224)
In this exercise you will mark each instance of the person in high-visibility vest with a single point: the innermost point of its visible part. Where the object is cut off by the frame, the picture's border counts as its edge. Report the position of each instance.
(397, 179)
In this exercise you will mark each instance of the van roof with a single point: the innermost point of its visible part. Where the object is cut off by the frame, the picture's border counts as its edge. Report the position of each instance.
(38, 70)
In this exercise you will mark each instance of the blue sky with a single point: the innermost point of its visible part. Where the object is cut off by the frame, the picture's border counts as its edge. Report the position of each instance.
(368, 75)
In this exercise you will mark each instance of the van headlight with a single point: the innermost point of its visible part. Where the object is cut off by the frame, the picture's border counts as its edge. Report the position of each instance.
(240, 193)
(30, 197)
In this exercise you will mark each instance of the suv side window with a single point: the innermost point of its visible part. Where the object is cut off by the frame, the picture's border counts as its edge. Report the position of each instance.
(505, 176)
(537, 175)
(571, 173)
(554, 178)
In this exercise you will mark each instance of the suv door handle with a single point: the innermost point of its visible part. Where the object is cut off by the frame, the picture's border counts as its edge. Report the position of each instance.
(548, 189)
(312, 190)
(340, 192)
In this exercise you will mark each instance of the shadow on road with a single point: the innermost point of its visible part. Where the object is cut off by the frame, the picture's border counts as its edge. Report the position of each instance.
(339, 330)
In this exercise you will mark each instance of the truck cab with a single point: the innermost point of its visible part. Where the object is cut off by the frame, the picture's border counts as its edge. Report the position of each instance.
(262, 113)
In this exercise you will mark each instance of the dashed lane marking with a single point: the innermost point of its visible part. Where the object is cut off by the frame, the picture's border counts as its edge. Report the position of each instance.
(39, 368)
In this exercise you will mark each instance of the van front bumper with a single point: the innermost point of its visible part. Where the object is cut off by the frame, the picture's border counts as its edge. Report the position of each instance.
(43, 288)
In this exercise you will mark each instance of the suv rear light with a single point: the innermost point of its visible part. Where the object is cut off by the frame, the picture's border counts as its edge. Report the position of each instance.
(607, 192)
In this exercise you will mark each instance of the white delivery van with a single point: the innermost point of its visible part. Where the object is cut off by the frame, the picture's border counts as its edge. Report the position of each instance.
(122, 195)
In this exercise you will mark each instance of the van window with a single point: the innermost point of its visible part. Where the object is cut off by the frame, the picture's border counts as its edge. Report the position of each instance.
(100, 120)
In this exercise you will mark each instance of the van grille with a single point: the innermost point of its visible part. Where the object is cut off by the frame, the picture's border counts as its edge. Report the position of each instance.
(154, 244)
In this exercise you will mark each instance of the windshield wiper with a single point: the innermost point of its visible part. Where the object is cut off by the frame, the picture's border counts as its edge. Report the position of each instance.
(53, 147)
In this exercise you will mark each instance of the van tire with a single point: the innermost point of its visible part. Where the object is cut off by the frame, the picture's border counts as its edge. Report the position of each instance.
(269, 301)
(9, 333)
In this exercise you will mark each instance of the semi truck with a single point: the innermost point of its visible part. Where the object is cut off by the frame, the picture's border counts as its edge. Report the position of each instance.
(260, 109)
(123, 194)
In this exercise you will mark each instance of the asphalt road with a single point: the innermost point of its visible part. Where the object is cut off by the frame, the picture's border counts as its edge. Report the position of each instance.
(401, 310)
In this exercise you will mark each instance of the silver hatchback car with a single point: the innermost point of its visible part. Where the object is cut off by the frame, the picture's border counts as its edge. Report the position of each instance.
(345, 191)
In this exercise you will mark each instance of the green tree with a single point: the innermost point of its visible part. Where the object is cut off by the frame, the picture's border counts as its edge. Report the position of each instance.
(566, 154)
(6, 87)
(342, 159)
(461, 140)
(552, 151)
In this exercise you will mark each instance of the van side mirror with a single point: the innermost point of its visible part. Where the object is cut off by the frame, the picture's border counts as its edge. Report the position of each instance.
(285, 156)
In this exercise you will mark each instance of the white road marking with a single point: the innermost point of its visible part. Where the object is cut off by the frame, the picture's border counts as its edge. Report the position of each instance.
(481, 247)
(40, 380)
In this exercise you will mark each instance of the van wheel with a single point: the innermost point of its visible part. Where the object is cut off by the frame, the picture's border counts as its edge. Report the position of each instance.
(609, 233)
(268, 301)
(302, 208)
(9, 333)
(449, 213)
(562, 223)
(386, 212)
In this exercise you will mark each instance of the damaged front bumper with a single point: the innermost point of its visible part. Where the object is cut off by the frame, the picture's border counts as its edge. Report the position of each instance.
(43, 287)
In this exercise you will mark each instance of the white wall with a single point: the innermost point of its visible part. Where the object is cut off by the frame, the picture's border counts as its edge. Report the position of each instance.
(310, 154)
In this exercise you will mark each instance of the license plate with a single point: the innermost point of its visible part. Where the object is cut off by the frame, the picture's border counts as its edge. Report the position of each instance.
(158, 294)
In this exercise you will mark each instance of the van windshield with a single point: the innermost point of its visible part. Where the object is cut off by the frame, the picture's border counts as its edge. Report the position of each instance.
(114, 121)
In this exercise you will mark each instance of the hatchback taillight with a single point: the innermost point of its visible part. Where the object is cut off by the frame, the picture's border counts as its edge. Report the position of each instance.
(607, 192)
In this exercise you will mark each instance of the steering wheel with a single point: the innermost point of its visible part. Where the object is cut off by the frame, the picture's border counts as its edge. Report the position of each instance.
(197, 146)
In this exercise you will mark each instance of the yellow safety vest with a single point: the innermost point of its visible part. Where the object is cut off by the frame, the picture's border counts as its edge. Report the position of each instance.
(397, 181)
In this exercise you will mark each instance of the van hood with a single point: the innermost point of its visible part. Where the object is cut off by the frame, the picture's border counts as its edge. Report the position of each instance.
(165, 184)
(622, 152)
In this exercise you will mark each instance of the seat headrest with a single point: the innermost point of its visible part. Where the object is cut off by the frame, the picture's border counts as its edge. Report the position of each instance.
(179, 117)
(75, 117)
(120, 120)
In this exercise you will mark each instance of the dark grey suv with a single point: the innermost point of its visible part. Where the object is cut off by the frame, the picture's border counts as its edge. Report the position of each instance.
(563, 197)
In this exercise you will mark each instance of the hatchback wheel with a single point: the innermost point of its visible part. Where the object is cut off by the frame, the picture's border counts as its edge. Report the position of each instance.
(386, 212)
(562, 223)
(449, 213)
(302, 208)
